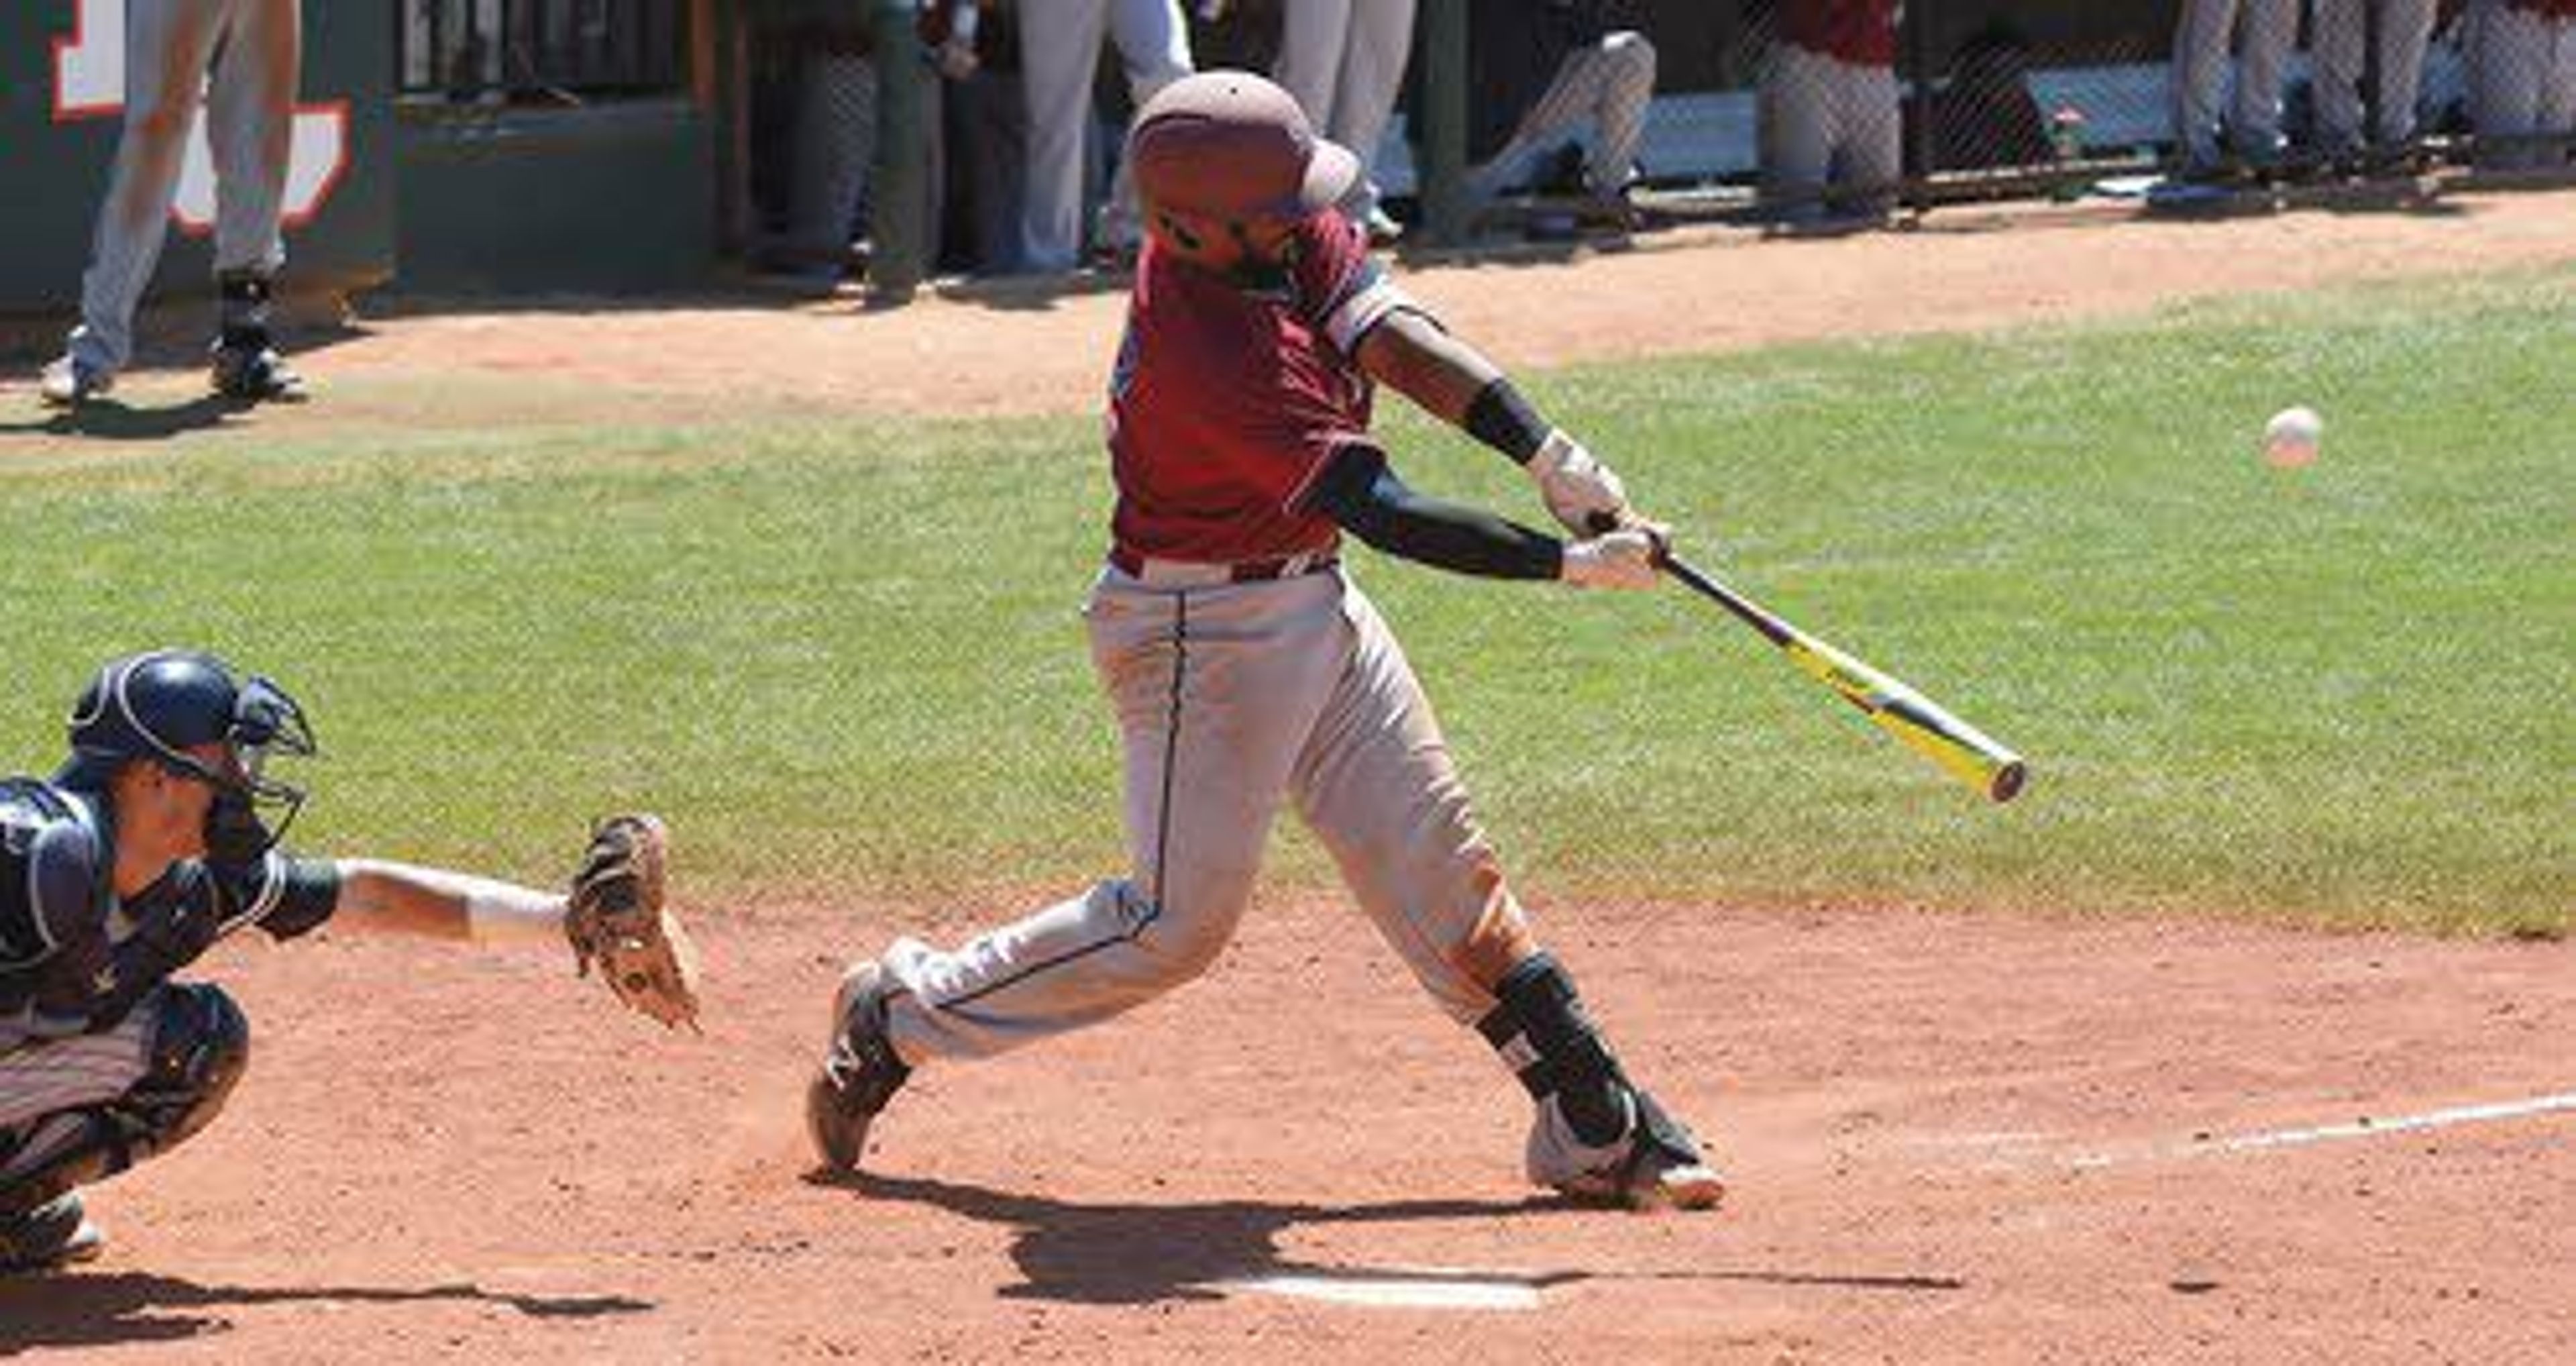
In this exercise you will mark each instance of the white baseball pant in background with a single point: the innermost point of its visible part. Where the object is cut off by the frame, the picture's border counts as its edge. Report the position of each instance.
(1344, 62)
(2339, 61)
(2526, 81)
(1837, 124)
(2200, 74)
(237, 59)
(1608, 86)
(1059, 49)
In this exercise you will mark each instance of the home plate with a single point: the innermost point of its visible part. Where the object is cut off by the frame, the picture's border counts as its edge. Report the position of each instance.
(1401, 1290)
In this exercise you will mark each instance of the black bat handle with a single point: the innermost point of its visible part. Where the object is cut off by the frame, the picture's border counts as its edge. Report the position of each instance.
(1745, 609)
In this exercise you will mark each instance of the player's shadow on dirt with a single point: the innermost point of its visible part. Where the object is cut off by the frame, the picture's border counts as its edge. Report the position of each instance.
(110, 420)
(74, 1310)
(1150, 1254)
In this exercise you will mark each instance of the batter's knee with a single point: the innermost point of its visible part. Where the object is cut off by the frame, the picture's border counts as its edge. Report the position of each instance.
(1181, 938)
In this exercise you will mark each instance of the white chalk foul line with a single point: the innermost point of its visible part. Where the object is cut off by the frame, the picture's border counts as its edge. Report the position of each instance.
(1386, 1290)
(2360, 1128)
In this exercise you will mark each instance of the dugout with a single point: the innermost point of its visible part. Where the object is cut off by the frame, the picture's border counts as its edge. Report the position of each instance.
(442, 145)
(61, 105)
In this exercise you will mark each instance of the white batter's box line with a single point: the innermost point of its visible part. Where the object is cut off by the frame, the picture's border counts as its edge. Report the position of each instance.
(2365, 1127)
(1426, 1287)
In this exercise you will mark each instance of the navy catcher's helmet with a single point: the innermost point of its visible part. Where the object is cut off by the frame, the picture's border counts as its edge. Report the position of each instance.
(154, 707)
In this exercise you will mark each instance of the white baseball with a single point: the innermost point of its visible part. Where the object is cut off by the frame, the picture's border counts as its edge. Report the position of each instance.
(2291, 437)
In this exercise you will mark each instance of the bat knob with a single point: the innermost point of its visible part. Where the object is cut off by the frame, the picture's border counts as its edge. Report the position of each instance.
(2007, 781)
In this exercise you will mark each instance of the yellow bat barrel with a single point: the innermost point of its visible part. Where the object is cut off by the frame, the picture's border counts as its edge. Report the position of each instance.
(1965, 752)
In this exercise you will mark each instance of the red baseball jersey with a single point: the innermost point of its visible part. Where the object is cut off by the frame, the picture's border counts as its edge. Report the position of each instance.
(1227, 402)
(1860, 32)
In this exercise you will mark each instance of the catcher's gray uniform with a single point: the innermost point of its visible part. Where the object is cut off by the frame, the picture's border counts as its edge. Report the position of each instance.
(103, 1059)
(238, 60)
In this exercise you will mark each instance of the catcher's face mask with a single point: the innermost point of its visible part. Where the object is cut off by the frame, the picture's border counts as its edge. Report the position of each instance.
(191, 715)
(253, 807)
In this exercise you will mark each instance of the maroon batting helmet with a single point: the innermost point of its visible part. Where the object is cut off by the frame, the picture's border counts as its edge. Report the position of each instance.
(1230, 145)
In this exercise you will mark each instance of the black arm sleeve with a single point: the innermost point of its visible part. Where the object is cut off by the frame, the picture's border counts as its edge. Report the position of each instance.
(1502, 419)
(1363, 496)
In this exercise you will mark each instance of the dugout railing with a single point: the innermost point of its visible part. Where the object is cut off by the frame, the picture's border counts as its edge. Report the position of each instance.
(556, 51)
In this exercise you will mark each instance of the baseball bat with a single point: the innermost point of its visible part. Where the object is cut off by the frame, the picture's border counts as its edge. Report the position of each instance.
(1962, 750)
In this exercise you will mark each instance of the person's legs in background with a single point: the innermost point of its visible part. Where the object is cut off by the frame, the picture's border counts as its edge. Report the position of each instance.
(1153, 43)
(1059, 50)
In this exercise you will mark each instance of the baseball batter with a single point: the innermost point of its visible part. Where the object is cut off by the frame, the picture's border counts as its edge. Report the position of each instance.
(2200, 73)
(236, 59)
(1246, 667)
(152, 842)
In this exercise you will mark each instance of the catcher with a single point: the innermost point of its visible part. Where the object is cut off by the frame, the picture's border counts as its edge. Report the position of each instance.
(159, 837)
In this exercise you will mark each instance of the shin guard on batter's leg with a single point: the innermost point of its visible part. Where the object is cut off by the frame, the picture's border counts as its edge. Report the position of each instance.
(1597, 1135)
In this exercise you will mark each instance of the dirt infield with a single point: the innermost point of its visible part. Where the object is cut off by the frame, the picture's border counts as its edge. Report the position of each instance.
(1006, 350)
(1954, 1140)
(2009, 1138)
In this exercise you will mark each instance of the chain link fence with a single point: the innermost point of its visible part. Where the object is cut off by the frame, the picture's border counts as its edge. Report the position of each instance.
(1840, 110)
(1792, 111)
(1803, 110)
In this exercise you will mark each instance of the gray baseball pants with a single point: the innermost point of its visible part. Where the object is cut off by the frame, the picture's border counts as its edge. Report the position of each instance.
(1344, 61)
(2200, 73)
(1059, 47)
(1230, 699)
(237, 60)
(1607, 86)
(2342, 34)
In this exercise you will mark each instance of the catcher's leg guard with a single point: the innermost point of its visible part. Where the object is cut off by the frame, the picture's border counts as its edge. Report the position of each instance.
(860, 1072)
(1597, 1136)
(200, 1045)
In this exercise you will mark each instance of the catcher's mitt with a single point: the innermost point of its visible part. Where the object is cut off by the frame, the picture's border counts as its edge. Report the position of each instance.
(616, 917)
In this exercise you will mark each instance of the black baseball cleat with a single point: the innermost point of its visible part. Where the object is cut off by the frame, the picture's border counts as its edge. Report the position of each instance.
(1659, 1168)
(253, 372)
(49, 1237)
(860, 1072)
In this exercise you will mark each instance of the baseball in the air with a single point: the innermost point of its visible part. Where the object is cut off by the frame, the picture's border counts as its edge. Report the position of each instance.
(2290, 438)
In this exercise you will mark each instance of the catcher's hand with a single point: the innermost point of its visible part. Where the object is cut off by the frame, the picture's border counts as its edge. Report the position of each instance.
(616, 918)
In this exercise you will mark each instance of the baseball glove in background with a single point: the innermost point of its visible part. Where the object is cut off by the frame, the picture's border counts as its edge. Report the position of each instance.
(616, 918)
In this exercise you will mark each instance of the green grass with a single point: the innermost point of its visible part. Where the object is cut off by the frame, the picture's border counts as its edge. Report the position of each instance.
(843, 652)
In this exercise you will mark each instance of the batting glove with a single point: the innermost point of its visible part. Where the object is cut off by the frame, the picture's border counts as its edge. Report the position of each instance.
(1579, 489)
(1627, 558)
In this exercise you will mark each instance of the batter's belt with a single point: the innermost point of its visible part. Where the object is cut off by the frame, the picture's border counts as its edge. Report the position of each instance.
(1154, 573)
